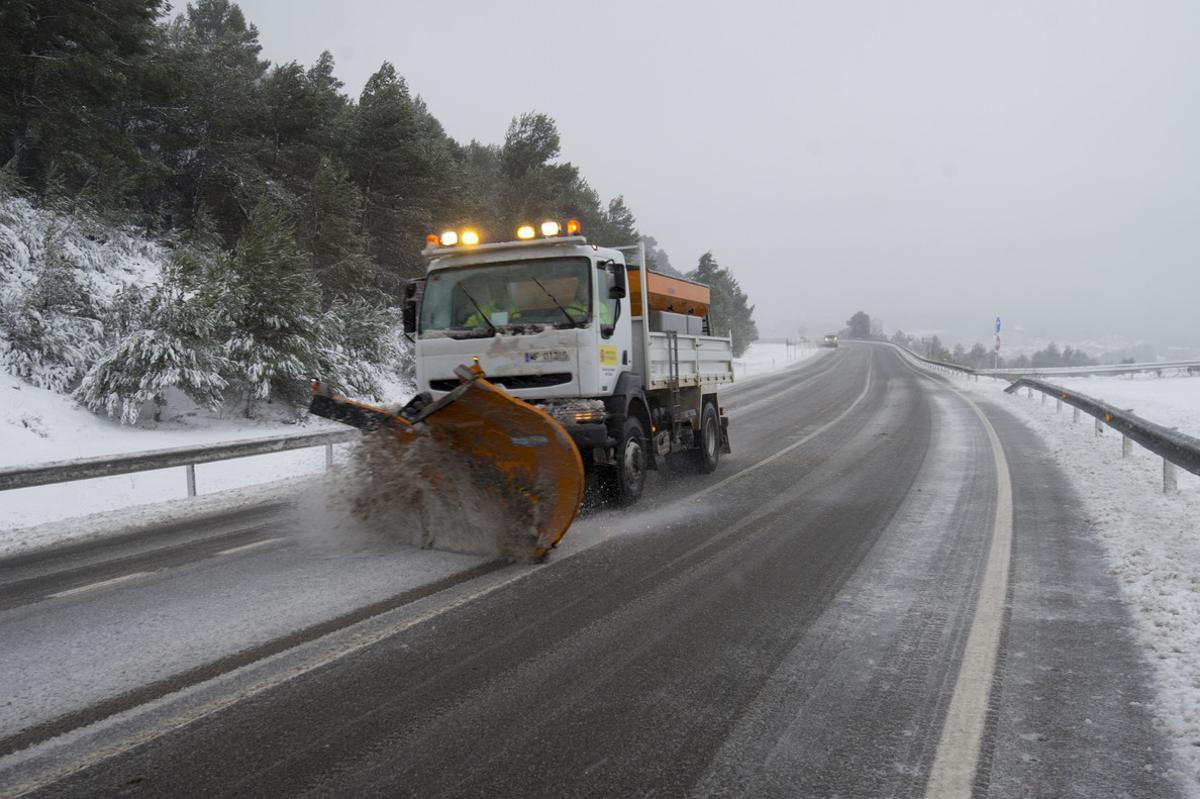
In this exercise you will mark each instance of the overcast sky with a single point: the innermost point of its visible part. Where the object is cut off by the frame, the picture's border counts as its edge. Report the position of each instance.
(935, 164)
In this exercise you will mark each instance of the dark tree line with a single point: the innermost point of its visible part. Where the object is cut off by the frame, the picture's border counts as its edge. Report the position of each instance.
(179, 124)
(980, 357)
(298, 209)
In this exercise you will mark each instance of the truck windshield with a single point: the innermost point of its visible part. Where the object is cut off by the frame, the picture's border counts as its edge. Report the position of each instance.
(480, 300)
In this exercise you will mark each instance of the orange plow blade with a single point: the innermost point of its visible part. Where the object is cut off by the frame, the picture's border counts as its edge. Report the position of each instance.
(524, 459)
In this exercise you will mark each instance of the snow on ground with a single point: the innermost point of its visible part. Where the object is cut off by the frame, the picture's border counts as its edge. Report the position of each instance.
(762, 357)
(38, 426)
(108, 259)
(1151, 540)
(1172, 401)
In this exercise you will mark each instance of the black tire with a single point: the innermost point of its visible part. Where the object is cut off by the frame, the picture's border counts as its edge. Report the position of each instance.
(707, 454)
(623, 483)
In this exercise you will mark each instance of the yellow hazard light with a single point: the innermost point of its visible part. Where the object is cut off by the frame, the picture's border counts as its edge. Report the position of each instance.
(525, 232)
(469, 238)
(573, 227)
(449, 238)
(433, 240)
(588, 416)
(550, 228)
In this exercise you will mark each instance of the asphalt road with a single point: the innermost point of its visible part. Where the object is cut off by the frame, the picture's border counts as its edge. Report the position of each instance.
(793, 625)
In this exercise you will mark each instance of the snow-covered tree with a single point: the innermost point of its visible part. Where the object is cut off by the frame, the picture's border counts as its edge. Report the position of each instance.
(269, 301)
(358, 347)
(330, 216)
(172, 347)
(49, 330)
(730, 309)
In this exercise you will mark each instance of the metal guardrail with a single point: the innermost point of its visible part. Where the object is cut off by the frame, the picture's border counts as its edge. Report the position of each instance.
(952, 367)
(1064, 371)
(1087, 371)
(1174, 447)
(110, 465)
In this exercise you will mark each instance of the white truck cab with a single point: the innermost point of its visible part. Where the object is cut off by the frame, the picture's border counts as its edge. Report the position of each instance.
(619, 355)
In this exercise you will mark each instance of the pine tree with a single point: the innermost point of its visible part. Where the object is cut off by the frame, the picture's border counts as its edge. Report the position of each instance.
(214, 134)
(305, 115)
(171, 348)
(401, 159)
(729, 310)
(357, 347)
(657, 258)
(49, 331)
(270, 304)
(67, 72)
(329, 229)
(858, 326)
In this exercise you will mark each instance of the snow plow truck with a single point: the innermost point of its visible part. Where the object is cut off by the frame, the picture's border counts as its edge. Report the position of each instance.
(546, 358)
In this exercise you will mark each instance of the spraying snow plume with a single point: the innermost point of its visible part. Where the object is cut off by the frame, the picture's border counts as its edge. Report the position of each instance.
(428, 496)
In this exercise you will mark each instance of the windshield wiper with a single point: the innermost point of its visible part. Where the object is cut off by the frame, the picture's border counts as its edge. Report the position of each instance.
(571, 319)
(478, 310)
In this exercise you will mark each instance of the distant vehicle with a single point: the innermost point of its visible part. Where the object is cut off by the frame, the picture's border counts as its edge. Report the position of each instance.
(829, 341)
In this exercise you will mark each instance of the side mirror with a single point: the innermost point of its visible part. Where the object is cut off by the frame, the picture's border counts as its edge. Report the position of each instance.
(617, 290)
(408, 310)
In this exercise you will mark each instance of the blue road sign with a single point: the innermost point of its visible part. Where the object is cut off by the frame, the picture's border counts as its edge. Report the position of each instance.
(997, 325)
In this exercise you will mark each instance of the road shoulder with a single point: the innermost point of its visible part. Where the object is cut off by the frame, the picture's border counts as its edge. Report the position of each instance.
(1071, 704)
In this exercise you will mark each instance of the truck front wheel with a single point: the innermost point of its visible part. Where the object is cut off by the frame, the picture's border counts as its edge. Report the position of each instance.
(622, 483)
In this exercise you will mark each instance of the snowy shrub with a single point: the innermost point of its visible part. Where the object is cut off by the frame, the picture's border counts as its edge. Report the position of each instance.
(358, 347)
(171, 348)
(48, 326)
(142, 367)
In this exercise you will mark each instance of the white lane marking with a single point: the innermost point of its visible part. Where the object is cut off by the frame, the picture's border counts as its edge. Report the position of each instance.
(957, 757)
(248, 547)
(310, 656)
(124, 578)
(794, 444)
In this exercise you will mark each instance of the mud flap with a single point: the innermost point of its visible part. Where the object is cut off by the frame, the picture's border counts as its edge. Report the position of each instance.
(537, 469)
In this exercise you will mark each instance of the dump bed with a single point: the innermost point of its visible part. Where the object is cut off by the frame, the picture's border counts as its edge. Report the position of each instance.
(705, 361)
(677, 327)
(662, 353)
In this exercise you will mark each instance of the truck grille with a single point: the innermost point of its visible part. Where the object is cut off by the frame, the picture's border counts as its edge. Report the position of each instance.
(511, 382)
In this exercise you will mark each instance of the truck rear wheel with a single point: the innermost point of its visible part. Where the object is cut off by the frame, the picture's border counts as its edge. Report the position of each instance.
(623, 482)
(707, 454)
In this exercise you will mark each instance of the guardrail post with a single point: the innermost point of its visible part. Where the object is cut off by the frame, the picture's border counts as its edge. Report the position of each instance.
(329, 456)
(1029, 392)
(1058, 404)
(1126, 446)
(1099, 428)
(191, 479)
(1043, 397)
(1170, 478)
(1075, 416)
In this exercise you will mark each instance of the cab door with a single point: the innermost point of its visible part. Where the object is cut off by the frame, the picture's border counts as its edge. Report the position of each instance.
(613, 329)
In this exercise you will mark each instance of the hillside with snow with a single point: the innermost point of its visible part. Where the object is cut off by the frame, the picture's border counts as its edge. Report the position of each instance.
(64, 279)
